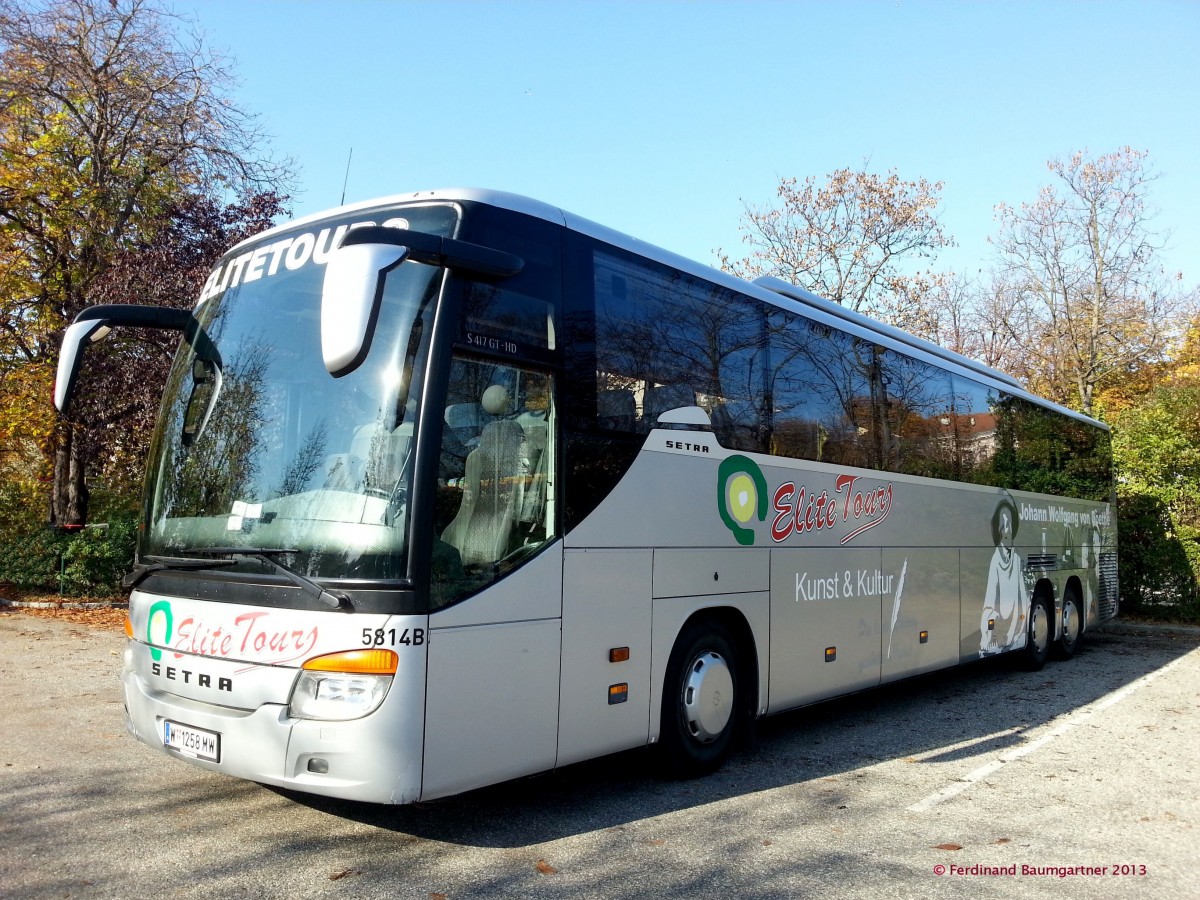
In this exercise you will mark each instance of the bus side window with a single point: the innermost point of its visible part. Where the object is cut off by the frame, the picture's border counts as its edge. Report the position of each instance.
(820, 392)
(1042, 450)
(973, 421)
(494, 503)
(916, 415)
(664, 340)
(616, 410)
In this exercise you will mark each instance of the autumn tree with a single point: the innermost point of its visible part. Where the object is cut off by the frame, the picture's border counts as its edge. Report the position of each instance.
(1087, 296)
(853, 239)
(1155, 415)
(112, 116)
(950, 310)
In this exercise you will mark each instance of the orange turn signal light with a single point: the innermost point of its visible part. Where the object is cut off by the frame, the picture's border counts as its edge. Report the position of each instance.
(128, 627)
(362, 662)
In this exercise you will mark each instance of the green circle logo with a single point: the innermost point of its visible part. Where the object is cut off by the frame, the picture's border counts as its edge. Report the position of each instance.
(741, 496)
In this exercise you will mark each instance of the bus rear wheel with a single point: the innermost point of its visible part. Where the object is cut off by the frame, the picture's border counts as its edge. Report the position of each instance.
(1072, 627)
(1038, 635)
(702, 709)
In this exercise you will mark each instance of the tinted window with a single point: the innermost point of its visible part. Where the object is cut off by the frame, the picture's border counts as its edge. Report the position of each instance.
(1010, 442)
(1041, 450)
(517, 317)
(820, 385)
(847, 401)
(666, 340)
(916, 417)
(974, 430)
(644, 338)
(507, 323)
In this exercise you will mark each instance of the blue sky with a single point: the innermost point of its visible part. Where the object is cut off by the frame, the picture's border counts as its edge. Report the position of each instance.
(661, 119)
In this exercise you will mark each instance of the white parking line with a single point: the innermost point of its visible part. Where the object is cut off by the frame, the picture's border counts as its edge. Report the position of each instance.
(1065, 724)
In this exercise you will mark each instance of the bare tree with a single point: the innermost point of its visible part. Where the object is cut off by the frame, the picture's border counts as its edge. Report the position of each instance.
(111, 112)
(847, 239)
(949, 318)
(1087, 296)
(969, 316)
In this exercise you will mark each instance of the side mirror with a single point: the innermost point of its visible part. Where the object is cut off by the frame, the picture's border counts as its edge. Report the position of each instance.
(350, 298)
(355, 274)
(94, 323)
(69, 357)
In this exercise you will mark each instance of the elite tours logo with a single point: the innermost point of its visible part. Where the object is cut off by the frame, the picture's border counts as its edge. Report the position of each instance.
(742, 499)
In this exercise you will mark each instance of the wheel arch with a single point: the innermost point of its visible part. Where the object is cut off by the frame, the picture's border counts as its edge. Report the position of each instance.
(734, 622)
(1047, 588)
(745, 620)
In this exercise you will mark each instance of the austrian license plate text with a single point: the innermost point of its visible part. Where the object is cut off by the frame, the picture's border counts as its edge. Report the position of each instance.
(194, 742)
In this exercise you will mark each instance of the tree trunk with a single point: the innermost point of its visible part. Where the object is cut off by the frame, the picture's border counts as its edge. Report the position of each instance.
(69, 496)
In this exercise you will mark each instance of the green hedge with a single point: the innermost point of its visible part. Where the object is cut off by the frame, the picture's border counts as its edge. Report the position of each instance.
(1159, 559)
(90, 562)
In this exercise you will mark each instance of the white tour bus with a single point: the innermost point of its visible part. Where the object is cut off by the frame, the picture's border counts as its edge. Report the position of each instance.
(455, 487)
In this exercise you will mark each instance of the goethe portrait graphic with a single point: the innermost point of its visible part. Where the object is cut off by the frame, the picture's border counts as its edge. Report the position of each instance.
(1005, 604)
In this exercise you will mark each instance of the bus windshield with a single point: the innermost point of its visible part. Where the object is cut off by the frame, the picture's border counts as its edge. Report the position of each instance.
(259, 447)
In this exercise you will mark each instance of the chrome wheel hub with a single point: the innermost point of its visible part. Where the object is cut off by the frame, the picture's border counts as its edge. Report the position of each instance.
(1040, 628)
(707, 696)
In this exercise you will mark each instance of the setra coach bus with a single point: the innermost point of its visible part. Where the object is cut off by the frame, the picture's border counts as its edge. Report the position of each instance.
(455, 487)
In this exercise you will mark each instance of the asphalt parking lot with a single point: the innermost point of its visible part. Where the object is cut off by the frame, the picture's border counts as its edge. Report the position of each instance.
(1079, 781)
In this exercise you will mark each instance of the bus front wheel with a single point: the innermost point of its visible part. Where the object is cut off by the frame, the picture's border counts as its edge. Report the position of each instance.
(701, 710)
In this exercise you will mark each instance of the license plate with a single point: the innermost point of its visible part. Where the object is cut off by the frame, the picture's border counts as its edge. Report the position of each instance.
(194, 742)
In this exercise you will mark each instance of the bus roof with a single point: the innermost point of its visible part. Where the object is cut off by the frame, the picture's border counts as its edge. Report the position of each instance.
(770, 290)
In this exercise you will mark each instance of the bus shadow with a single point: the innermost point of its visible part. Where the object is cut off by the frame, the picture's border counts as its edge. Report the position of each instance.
(971, 715)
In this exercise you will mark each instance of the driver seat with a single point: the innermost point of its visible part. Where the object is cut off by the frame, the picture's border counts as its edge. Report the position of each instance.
(482, 529)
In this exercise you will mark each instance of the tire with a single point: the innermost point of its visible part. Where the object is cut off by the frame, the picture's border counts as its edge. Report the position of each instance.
(1072, 627)
(1038, 633)
(702, 707)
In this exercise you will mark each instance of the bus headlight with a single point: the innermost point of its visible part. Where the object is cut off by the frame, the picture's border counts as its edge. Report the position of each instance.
(324, 695)
(342, 686)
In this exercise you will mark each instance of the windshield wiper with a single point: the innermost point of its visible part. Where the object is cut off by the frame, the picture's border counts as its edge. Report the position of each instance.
(142, 570)
(333, 599)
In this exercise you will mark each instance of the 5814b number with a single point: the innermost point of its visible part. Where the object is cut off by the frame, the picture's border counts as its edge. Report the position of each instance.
(393, 637)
